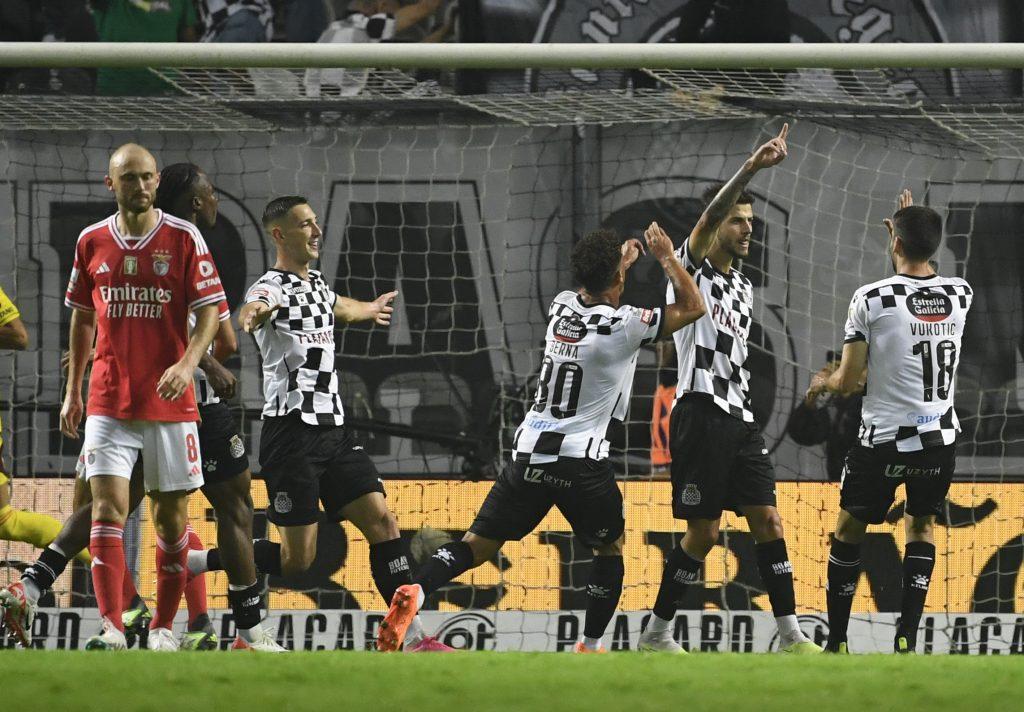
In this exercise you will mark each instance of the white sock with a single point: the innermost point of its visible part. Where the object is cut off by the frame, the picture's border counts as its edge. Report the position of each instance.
(32, 592)
(657, 625)
(420, 598)
(249, 635)
(197, 561)
(415, 633)
(789, 628)
(591, 643)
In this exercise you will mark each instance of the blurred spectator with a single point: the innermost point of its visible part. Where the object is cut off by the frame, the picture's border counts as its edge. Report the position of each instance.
(236, 20)
(46, 21)
(823, 417)
(369, 21)
(306, 20)
(140, 21)
(664, 398)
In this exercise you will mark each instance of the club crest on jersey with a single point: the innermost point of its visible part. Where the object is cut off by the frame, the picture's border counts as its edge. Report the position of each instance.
(131, 264)
(570, 330)
(161, 263)
(929, 306)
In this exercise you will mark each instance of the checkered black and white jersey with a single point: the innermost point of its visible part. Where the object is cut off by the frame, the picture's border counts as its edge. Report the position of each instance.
(297, 347)
(214, 13)
(586, 378)
(712, 351)
(913, 327)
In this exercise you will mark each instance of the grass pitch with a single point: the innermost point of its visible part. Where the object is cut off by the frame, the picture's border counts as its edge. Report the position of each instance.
(481, 682)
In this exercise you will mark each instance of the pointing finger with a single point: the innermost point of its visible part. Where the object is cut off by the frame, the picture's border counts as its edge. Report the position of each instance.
(784, 132)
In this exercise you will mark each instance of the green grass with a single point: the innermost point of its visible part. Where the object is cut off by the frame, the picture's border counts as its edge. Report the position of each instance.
(481, 682)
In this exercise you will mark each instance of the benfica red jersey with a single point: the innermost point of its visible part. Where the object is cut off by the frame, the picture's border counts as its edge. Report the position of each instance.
(142, 290)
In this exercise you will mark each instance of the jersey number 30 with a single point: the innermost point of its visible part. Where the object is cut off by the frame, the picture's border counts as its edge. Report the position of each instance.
(561, 405)
(937, 368)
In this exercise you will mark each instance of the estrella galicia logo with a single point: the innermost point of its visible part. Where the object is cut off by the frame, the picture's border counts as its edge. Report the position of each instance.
(570, 330)
(929, 306)
(469, 631)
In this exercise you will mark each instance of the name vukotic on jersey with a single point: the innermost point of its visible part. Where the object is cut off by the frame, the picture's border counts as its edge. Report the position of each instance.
(131, 301)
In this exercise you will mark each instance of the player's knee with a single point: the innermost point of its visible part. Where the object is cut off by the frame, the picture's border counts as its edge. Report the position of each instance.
(612, 549)
(701, 536)
(849, 529)
(296, 563)
(920, 528)
(108, 510)
(483, 549)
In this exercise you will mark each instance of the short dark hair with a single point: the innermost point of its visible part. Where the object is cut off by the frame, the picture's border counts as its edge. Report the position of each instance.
(176, 181)
(595, 260)
(920, 230)
(712, 190)
(277, 207)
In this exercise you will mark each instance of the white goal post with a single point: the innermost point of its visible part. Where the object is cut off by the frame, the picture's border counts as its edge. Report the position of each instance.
(977, 55)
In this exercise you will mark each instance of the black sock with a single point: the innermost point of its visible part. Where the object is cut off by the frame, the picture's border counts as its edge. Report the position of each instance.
(449, 561)
(267, 555)
(45, 570)
(213, 562)
(843, 572)
(777, 576)
(918, 562)
(681, 570)
(603, 590)
(246, 606)
(389, 566)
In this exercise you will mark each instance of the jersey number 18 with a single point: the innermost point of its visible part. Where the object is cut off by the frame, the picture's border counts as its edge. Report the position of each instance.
(941, 362)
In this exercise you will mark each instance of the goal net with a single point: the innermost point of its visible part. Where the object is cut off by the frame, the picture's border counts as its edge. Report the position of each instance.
(469, 206)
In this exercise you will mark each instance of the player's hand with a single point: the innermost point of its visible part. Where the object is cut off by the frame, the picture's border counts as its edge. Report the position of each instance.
(658, 241)
(631, 251)
(905, 200)
(819, 381)
(221, 379)
(71, 414)
(175, 381)
(381, 310)
(251, 318)
(771, 153)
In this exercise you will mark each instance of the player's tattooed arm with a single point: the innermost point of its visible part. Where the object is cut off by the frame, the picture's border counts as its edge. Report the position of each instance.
(379, 310)
(689, 305)
(80, 341)
(176, 380)
(771, 153)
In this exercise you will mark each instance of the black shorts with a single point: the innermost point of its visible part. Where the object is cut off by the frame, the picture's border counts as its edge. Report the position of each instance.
(872, 475)
(718, 461)
(220, 444)
(584, 491)
(305, 464)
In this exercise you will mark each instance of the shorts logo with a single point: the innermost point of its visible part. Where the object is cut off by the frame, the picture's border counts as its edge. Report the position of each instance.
(237, 447)
(91, 458)
(161, 263)
(210, 465)
(131, 264)
(195, 471)
(691, 495)
(282, 503)
(601, 533)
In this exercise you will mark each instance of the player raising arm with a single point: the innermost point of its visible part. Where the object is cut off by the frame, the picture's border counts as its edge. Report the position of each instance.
(719, 459)
(560, 450)
(906, 330)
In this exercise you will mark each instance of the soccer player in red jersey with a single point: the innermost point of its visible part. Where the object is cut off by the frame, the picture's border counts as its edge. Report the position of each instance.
(136, 277)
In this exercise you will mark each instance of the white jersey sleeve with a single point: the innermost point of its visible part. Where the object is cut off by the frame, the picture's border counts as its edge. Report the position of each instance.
(857, 319)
